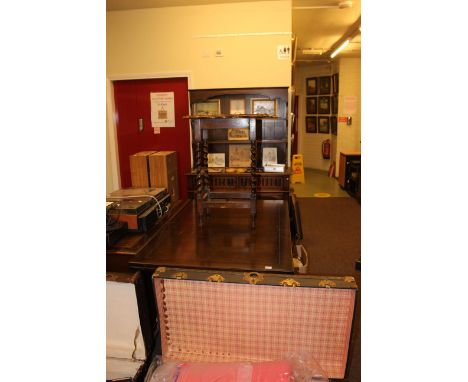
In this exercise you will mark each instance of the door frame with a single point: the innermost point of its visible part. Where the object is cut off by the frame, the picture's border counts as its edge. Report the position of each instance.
(111, 116)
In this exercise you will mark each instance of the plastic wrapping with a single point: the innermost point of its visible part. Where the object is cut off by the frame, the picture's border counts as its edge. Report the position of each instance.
(294, 367)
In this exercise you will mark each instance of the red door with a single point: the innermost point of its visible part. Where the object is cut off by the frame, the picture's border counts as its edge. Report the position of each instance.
(132, 102)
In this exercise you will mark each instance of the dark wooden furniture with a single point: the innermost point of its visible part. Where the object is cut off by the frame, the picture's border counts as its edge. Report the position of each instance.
(345, 160)
(269, 185)
(224, 241)
(210, 134)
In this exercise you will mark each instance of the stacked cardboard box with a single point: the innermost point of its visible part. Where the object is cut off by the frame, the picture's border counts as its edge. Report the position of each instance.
(163, 172)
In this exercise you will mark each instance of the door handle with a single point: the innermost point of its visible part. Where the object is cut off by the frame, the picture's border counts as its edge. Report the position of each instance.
(140, 125)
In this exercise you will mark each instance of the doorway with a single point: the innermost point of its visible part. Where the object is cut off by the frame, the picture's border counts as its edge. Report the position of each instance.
(133, 124)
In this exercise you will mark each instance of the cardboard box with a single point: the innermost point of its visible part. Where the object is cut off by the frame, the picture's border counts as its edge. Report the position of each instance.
(139, 168)
(163, 172)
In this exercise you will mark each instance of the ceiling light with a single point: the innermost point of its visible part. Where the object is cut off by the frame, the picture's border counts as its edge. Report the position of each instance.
(340, 48)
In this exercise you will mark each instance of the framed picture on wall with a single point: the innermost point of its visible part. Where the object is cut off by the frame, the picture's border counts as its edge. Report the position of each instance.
(211, 107)
(237, 106)
(325, 85)
(238, 134)
(334, 125)
(239, 156)
(335, 83)
(263, 106)
(311, 105)
(216, 160)
(324, 105)
(311, 124)
(311, 86)
(334, 104)
(324, 125)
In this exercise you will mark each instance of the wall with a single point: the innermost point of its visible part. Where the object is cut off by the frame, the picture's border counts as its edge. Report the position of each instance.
(310, 145)
(162, 42)
(349, 137)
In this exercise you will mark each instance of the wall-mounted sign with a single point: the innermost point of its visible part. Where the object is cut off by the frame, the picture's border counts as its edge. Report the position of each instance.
(283, 52)
(162, 109)
(349, 104)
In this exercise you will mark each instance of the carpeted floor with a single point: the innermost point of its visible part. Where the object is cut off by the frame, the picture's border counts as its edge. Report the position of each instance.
(332, 237)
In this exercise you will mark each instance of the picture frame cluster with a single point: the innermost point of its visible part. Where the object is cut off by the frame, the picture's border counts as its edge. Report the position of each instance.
(322, 104)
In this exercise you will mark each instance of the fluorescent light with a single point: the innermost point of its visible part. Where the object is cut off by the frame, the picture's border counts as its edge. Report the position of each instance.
(340, 48)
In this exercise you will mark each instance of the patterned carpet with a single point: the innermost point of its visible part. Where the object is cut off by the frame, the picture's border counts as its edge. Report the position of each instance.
(332, 237)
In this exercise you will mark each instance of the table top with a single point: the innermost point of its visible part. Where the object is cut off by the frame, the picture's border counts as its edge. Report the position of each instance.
(225, 240)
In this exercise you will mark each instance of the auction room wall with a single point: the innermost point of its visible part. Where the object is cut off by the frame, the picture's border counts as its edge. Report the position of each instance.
(310, 145)
(162, 41)
(165, 40)
(349, 137)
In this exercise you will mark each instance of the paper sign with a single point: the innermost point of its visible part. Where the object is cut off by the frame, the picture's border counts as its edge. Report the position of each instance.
(157, 130)
(283, 52)
(162, 110)
(350, 104)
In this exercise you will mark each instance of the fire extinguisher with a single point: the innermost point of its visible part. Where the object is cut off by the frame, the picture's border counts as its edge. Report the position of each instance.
(326, 149)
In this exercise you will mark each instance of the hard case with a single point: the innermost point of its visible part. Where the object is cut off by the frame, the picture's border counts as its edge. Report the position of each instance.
(248, 316)
(129, 338)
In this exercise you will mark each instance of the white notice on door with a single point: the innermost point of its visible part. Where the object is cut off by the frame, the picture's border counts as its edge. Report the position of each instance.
(162, 109)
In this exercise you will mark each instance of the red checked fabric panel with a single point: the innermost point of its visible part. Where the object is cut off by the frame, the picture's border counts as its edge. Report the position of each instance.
(205, 321)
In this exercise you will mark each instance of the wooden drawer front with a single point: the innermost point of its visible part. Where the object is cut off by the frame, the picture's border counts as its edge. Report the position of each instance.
(244, 182)
(271, 182)
(223, 182)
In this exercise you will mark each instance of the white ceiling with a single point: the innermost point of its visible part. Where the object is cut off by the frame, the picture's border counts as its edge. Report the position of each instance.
(323, 28)
(320, 29)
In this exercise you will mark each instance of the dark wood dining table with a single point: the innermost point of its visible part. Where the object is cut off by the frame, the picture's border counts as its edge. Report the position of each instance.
(223, 240)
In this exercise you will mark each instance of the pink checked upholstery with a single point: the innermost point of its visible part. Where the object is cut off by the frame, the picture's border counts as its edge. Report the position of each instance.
(210, 321)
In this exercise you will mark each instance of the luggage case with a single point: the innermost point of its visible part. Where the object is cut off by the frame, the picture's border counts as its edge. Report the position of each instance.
(218, 316)
(128, 328)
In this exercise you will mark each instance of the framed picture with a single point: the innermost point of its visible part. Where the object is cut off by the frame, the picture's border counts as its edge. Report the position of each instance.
(335, 83)
(311, 86)
(334, 104)
(237, 106)
(324, 125)
(263, 106)
(334, 125)
(239, 156)
(311, 105)
(212, 107)
(311, 124)
(324, 105)
(270, 156)
(216, 160)
(238, 134)
(325, 85)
